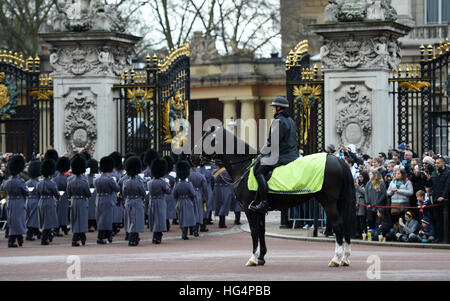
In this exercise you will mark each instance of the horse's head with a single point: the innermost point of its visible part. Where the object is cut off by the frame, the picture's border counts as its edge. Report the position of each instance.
(224, 149)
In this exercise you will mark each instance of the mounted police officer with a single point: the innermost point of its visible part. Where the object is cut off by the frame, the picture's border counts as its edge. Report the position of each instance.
(287, 149)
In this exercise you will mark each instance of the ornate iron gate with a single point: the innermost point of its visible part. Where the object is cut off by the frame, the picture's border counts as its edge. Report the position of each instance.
(152, 101)
(421, 101)
(305, 92)
(26, 106)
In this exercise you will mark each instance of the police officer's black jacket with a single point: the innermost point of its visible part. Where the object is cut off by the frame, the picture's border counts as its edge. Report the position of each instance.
(441, 183)
(287, 138)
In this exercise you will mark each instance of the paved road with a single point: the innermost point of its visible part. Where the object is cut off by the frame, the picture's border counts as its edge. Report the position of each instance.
(216, 255)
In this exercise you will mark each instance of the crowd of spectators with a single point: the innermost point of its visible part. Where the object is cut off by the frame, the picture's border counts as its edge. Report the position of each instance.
(400, 196)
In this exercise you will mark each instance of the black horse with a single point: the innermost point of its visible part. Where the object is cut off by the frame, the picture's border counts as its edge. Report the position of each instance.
(337, 196)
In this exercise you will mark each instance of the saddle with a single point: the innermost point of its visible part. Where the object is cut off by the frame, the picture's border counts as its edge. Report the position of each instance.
(302, 176)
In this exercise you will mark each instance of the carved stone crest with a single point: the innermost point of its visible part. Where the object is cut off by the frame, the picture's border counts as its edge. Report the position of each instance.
(359, 10)
(354, 121)
(376, 52)
(80, 129)
(90, 60)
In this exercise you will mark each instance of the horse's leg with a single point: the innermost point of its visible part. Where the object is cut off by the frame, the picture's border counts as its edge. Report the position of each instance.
(253, 223)
(336, 220)
(262, 238)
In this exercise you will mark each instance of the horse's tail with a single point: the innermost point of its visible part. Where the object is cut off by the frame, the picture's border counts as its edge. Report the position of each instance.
(347, 202)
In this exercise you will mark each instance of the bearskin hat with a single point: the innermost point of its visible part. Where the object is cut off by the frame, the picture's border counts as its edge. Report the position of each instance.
(62, 164)
(86, 155)
(151, 155)
(183, 170)
(106, 164)
(34, 170)
(16, 165)
(78, 165)
(93, 165)
(133, 166)
(170, 163)
(48, 168)
(51, 154)
(159, 168)
(117, 157)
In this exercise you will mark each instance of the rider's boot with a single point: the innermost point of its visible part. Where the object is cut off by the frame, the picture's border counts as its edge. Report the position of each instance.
(263, 206)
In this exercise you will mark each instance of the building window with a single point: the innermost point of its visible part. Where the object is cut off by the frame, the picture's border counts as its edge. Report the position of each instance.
(438, 11)
(441, 141)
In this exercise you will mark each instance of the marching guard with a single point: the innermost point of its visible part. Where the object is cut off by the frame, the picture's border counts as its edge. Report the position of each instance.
(92, 164)
(17, 193)
(118, 208)
(32, 220)
(223, 195)
(184, 195)
(171, 204)
(206, 170)
(47, 192)
(106, 188)
(198, 180)
(158, 188)
(78, 192)
(62, 206)
(133, 192)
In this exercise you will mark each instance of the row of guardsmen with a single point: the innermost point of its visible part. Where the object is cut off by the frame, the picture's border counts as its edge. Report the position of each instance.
(84, 194)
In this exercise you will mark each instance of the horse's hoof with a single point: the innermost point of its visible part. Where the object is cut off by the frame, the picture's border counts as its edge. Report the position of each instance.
(345, 263)
(261, 262)
(333, 264)
(251, 263)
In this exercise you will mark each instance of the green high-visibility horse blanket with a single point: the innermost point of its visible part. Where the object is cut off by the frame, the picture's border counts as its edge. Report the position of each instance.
(302, 176)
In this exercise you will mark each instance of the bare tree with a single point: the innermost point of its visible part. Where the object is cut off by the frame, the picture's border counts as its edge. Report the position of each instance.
(20, 21)
(240, 26)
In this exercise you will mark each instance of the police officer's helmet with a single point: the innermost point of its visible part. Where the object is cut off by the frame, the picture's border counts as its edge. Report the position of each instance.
(280, 102)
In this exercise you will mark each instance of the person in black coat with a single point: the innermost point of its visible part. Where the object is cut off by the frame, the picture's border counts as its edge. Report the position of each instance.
(78, 192)
(440, 182)
(286, 145)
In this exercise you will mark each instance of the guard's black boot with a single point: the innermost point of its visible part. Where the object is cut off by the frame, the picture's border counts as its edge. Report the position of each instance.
(191, 230)
(196, 230)
(110, 236)
(203, 226)
(83, 238)
(222, 222)
(133, 240)
(29, 236)
(38, 234)
(210, 220)
(237, 217)
(159, 238)
(154, 238)
(101, 235)
(75, 239)
(19, 240)
(175, 221)
(263, 206)
(168, 225)
(184, 231)
(12, 241)
(65, 230)
(7, 231)
(127, 236)
(56, 232)
(45, 237)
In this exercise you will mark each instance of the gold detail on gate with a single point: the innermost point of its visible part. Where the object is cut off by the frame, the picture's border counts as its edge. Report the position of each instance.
(141, 97)
(296, 54)
(307, 96)
(176, 109)
(180, 50)
(45, 90)
(4, 92)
